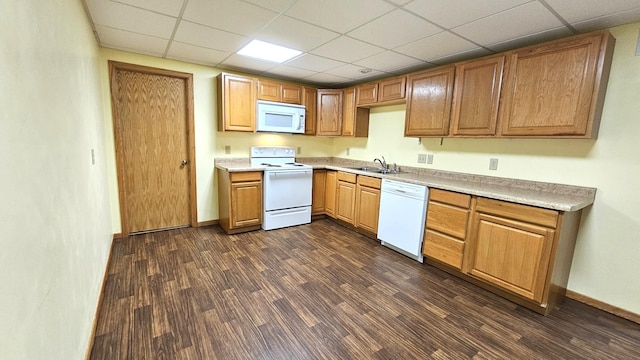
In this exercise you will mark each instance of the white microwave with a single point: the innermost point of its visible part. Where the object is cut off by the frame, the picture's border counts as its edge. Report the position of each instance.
(280, 117)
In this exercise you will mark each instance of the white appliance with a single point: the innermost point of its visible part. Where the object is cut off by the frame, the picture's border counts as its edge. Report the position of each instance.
(286, 187)
(280, 117)
(403, 208)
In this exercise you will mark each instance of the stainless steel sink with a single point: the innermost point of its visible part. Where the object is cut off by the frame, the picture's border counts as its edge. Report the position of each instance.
(374, 170)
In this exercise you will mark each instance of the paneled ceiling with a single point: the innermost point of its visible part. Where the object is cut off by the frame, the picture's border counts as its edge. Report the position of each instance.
(344, 41)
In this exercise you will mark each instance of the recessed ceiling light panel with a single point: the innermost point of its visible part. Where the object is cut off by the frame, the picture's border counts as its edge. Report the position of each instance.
(267, 51)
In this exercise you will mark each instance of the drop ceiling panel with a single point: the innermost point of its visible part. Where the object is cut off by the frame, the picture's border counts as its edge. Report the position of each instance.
(167, 7)
(274, 5)
(581, 10)
(230, 15)
(436, 46)
(204, 36)
(295, 34)
(314, 63)
(248, 63)
(352, 72)
(196, 54)
(526, 19)
(389, 61)
(126, 40)
(327, 79)
(608, 21)
(338, 15)
(453, 13)
(394, 29)
(291, 72)
(530, 39)
(125, 17)
(346, 49)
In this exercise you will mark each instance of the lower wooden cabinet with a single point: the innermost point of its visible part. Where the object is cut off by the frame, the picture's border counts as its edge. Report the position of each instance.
(330, 184)
(446, 227)
(367, 203)
(240, 200)
(346, 197)
(318, 193)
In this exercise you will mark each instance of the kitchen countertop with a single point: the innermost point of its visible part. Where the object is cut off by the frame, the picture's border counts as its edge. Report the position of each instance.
(545, 195)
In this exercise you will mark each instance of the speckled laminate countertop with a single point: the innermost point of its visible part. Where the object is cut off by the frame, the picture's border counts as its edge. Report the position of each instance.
(545, 195)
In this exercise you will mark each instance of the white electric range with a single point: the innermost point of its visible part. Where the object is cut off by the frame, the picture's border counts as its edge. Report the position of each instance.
(286, 188)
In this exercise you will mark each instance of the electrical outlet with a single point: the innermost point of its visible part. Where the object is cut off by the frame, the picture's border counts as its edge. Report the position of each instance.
(227, 149)
(430, 159)
(493, 164)
(422, 158)
(298, 150)
(348, 151)
(93, 157)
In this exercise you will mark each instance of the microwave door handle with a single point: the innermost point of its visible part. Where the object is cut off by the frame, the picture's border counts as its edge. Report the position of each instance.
(300, 121)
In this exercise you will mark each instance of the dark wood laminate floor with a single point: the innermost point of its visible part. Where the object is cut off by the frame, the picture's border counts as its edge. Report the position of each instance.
(321, 291)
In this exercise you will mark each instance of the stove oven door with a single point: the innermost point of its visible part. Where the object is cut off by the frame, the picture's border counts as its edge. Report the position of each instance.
(285, 189)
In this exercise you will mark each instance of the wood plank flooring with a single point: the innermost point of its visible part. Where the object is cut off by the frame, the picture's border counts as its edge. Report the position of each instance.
(322, 291)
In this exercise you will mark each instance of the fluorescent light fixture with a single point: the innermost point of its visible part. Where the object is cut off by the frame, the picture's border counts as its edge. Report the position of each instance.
(270, 52)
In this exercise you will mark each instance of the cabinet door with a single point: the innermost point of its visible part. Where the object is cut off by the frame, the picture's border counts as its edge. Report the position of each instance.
(329, 113)
(349, 112)
(246, 203)
(237, 110)
(331, 183)
(477, 92)
(292, 94)
(551, 90)
(310, 110)
(367, 208)
(346, 201)
(392, 89)
(269, 90)
(319, 184)
(367, 94)
(511, 254)
(429, 97)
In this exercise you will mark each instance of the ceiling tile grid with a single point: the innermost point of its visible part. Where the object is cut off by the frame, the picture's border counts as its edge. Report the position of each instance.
(344, 42)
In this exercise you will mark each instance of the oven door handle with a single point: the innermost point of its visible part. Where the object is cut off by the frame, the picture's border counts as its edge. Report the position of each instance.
(300, 172)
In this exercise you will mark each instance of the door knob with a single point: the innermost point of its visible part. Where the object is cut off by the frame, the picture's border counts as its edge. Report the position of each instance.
(184, 162)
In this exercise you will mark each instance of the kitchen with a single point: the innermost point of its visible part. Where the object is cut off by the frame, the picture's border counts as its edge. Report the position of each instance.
(607, 246)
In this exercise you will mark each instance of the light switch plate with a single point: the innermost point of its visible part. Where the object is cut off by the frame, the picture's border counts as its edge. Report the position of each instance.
(227, 149)
(430, 159)
(298, 150)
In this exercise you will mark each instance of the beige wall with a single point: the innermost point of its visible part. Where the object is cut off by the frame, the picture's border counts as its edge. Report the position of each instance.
(606, 262)
(55, 222)
(604, 265)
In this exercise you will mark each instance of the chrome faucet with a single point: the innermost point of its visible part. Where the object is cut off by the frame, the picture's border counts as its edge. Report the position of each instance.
(383, 163)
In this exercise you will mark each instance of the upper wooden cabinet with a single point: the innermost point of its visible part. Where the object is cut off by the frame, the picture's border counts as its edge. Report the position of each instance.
(329, 122)
(355, 120)
(429, 97)
(556, 89)
(236, 103)
(383, 92)
(310, 102)
(476, 96)
(281, 92)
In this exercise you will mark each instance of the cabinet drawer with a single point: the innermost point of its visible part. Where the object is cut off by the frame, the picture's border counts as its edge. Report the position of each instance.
(449, 197)
(447, 219)
(369, 181)
(348, 177)
(245, 176)
(530, 214)
(443, 248)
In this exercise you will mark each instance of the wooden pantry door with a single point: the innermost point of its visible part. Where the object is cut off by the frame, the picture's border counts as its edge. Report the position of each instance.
(153, 124)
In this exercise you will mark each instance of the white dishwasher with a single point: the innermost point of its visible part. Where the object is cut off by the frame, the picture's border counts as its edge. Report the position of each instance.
(403, 207)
